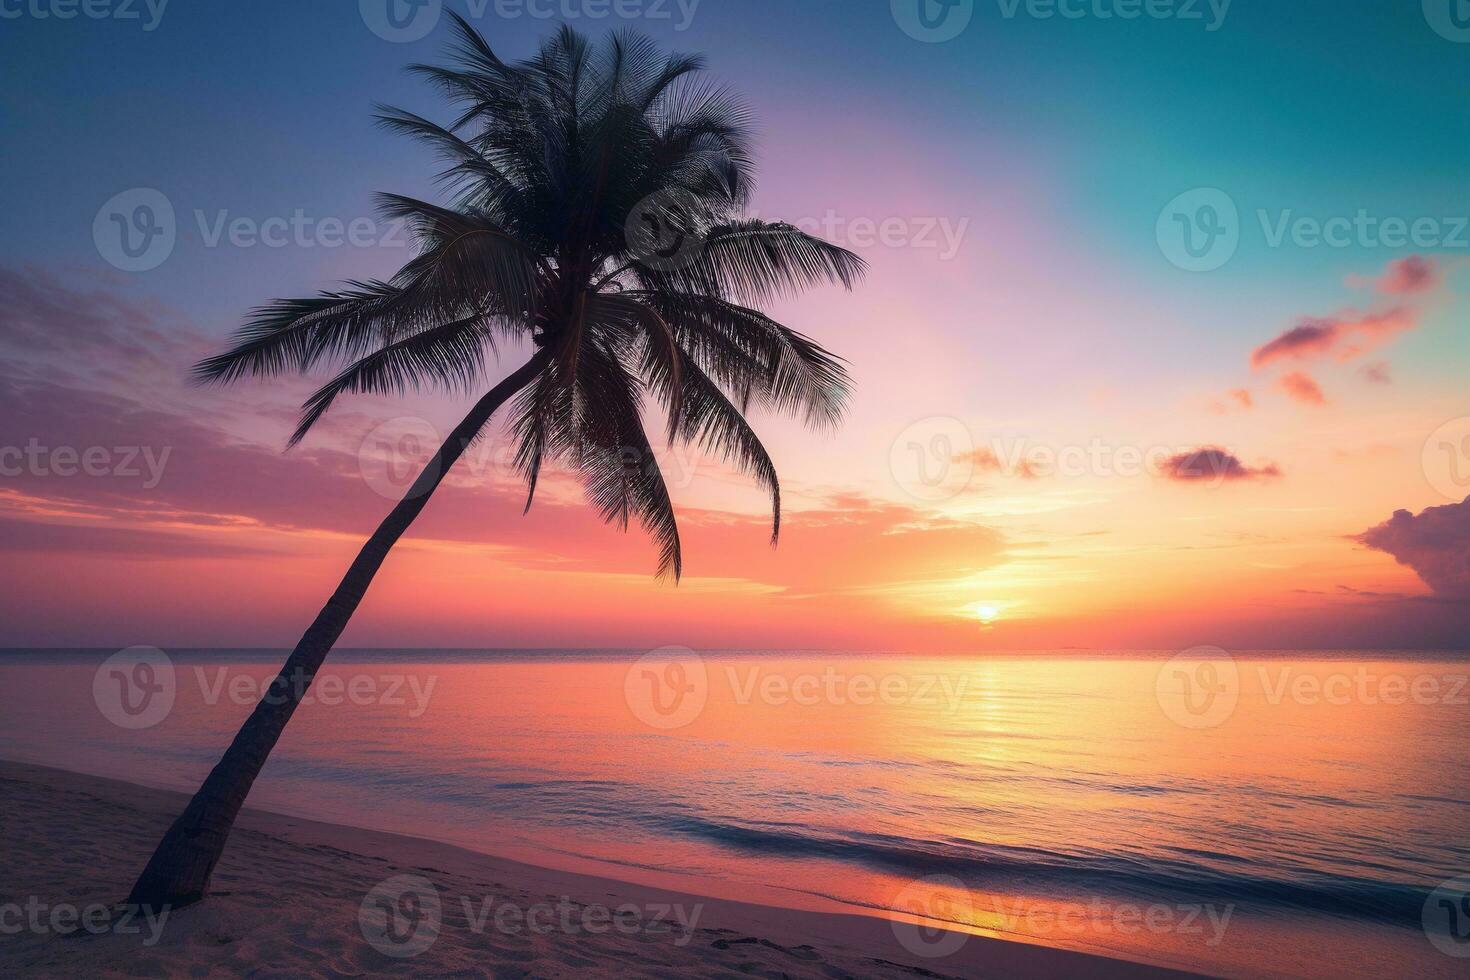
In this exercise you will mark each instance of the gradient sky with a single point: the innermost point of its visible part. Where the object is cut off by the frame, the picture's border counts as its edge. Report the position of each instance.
(1024, 307)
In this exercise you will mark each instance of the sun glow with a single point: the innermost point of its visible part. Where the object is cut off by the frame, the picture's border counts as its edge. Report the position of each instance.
(986, 613)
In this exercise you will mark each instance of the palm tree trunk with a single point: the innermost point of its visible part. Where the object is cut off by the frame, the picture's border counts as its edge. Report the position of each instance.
(179, 871)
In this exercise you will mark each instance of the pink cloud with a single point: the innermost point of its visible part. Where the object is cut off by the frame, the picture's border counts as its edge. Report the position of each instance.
(987, 461)
(1415, 274)
(1435, 544)
(1348, 336)
(1213, 464)
(1303, 388)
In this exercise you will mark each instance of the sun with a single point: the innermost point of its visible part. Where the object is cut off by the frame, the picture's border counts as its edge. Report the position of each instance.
(986, 613)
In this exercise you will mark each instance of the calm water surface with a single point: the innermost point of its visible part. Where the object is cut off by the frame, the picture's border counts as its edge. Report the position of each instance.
(1292, 824)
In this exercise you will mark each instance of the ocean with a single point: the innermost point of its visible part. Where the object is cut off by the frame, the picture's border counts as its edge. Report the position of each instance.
(1261, 814)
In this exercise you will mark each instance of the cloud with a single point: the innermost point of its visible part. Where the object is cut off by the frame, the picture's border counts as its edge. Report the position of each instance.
(1408, 276)
(1434, 544)
(1303, 388)
(987, 461)
(1348, 336)
(1238, 398)
(116, 542)
(1377, 372)
(1213, 464)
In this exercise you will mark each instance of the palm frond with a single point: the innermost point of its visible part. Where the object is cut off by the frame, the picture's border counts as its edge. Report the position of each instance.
(451, 356)
(551, 164)
(753, 260)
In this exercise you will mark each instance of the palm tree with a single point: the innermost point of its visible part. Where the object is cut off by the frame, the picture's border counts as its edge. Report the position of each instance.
(599, 199)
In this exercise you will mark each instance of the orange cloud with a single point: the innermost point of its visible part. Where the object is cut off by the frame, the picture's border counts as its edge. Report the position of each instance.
(1347, 336)
(1303, 388)
(1414, 274)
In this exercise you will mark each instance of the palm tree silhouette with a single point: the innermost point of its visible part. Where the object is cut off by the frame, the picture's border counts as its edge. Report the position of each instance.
(598, 210)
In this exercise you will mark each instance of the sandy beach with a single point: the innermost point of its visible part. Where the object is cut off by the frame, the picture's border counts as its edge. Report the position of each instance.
(295, 897)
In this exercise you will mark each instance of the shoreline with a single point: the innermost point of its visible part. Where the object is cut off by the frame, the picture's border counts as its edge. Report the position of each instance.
(290, 894)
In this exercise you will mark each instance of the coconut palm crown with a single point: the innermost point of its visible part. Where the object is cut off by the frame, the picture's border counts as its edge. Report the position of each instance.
(599, 198)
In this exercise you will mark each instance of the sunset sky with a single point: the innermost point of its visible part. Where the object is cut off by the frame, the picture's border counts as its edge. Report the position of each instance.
(1025, 341)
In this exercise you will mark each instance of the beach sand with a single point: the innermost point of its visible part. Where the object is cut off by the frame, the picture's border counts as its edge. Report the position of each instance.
(289, 896)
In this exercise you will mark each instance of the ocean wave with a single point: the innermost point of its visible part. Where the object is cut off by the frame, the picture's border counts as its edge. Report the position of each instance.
(1058, 874)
